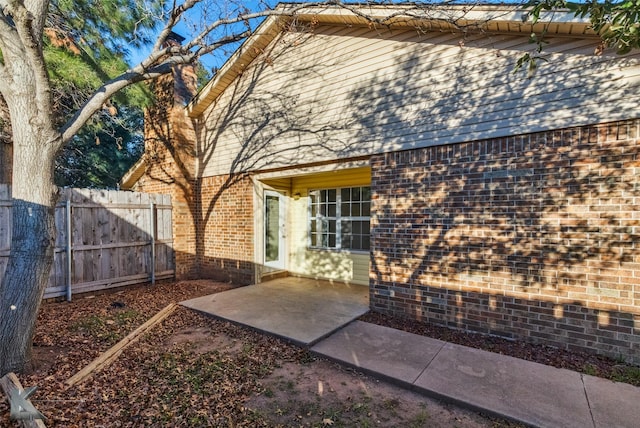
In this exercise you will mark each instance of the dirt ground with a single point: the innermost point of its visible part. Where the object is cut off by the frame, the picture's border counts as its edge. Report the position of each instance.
(321, 393)
(196, 371)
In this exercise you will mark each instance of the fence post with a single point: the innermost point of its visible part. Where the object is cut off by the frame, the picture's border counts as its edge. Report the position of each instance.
(152, 208)
(69, 249)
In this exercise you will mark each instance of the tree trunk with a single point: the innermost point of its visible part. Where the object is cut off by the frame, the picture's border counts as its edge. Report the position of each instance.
(35, 141)
(24, 282)
(33, 237)
(5, 143)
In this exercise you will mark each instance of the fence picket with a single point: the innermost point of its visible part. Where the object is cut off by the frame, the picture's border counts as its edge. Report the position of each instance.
(110, 236)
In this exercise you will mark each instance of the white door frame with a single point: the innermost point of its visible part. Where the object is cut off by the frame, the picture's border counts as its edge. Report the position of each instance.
(279, 261)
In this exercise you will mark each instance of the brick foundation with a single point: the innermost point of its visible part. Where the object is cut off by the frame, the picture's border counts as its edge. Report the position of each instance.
(533, 237)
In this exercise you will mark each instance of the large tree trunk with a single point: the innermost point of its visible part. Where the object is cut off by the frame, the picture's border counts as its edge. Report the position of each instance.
(33, 233)
(24, 282)
(5, 143)
(30, 260)
(35, 140)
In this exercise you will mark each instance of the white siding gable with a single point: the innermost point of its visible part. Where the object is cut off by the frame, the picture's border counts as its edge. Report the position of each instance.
(344, 92)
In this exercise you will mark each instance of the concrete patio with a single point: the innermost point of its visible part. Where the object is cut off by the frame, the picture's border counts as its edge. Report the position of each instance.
(319, 315)
(301, 310)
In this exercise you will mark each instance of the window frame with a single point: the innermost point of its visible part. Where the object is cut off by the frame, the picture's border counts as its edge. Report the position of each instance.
(338, 218)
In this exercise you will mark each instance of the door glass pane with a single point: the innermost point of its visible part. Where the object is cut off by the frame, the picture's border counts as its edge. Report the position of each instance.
(272, 233)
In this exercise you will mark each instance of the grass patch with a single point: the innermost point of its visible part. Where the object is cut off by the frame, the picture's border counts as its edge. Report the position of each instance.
(126, 317)
(269, 393)
(590, 370)
(420, 420)
(92, 325)
(627, 374)
(109, 328)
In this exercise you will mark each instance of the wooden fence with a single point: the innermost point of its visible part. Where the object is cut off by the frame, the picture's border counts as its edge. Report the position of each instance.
(104, 239)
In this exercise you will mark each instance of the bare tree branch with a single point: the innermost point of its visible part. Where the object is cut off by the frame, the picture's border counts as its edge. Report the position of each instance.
(138, 74)
(4, 79)
(8, 34)
(103, 93)
(161, 59)
(176, 14)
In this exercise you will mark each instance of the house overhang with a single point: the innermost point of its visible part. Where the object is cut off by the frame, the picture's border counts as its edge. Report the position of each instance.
(134, 174)
(468, 18)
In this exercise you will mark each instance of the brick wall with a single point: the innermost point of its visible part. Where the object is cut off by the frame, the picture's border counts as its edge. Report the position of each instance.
(534, 237)
(212, 216)
(227, 239)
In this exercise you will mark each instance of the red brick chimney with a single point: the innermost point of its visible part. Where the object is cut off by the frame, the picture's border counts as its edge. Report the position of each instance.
(184, 76)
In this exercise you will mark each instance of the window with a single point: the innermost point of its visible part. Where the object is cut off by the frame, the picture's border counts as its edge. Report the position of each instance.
(340, 218)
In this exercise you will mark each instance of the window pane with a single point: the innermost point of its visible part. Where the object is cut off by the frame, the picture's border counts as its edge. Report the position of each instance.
(326, 213)
(355, 194)
(365, 242)
(272, 229)
(345, 209)
(366, 193)
(366, 209)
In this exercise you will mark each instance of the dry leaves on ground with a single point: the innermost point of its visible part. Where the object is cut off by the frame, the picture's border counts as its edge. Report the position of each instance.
(191, 370)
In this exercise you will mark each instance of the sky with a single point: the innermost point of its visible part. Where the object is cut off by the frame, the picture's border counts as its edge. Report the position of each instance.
(205, 13)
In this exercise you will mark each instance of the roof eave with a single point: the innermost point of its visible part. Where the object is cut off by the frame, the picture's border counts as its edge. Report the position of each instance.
(131, 177)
